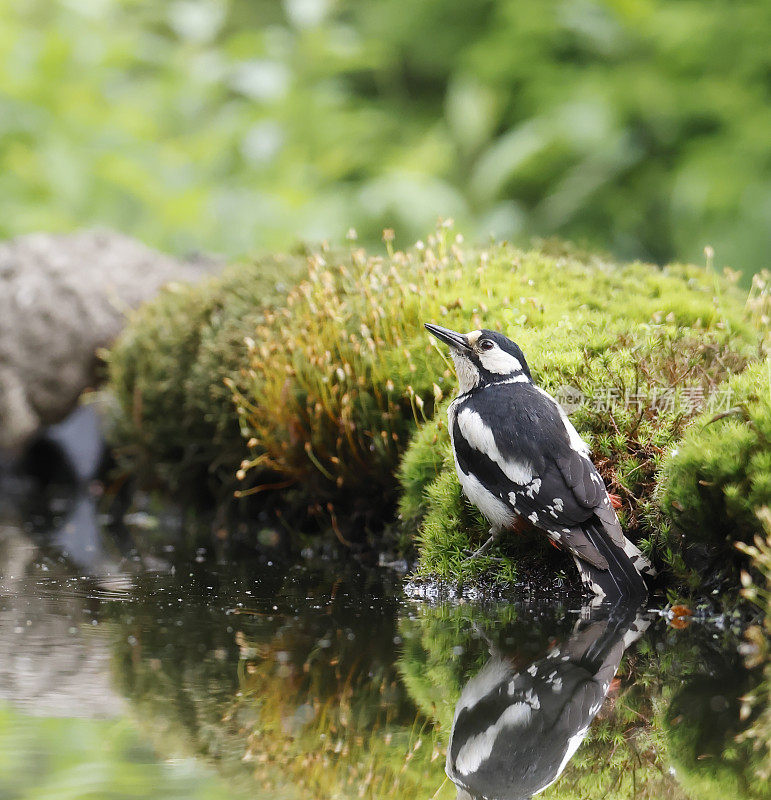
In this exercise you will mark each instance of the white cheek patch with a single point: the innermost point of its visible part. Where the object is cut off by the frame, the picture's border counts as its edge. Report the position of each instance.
(500, 362)
(480, 437)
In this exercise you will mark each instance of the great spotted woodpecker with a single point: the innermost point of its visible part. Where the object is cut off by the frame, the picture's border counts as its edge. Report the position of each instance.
(518, 455)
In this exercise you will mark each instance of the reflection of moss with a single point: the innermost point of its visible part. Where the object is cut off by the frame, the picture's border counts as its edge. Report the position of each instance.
(701, 723)
(703, 682)
(304, 691)
(443, 646)
(331, 717)
(302, 706)
(758, 645)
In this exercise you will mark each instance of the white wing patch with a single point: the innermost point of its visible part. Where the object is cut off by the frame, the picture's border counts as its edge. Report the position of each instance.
(573, 743)
(493, 508)
(494, 672)
(480, 437)
(533, 488)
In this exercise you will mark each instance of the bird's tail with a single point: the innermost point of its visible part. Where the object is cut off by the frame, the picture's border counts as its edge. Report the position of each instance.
(598, 640)
(626, 565)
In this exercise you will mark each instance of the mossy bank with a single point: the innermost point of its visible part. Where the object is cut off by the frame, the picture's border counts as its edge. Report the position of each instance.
(328, 397)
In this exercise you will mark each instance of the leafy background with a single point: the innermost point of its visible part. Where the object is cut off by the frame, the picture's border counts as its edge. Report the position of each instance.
(637, 126)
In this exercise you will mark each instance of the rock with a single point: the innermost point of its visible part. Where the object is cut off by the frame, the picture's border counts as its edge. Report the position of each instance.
(62, 298)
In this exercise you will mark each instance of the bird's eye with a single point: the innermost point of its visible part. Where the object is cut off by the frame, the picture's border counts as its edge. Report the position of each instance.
(486, 344)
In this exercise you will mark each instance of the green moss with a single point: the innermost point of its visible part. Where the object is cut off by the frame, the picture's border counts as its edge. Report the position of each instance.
(641, 347)
(422, 463)
(345, 369)
(168, 370)
(715, 482)
(325, 388)
(339, 375)
(149, 368)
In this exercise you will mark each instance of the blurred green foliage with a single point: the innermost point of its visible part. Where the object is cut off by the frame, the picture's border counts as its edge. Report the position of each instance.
(229, 125)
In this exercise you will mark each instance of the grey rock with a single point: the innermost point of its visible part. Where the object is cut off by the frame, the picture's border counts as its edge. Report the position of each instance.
(62, 298)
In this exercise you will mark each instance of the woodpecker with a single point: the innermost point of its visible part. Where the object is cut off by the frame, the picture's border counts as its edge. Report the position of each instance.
(517, 455)
(515, 729)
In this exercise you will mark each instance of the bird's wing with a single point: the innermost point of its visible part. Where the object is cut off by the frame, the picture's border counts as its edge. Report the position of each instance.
(549, 496)
(582, 477)
(589, 491)
(518, 442)
(546, 501)
(561, 504)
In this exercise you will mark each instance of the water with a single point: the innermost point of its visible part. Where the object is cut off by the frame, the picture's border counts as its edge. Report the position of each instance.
(203, 678)
(135, 666)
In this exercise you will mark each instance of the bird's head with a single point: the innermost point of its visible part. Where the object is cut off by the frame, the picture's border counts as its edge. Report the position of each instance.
(482, 357)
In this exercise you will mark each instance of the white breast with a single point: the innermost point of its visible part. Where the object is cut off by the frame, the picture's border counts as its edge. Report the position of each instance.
(495, 510)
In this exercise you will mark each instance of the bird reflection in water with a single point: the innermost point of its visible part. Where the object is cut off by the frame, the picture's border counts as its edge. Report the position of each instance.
(515, 729)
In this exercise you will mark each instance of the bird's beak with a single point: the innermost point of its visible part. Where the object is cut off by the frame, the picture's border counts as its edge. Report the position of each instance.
(456, 340)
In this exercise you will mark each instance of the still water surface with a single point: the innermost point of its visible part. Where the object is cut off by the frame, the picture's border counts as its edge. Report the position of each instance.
(126, 673)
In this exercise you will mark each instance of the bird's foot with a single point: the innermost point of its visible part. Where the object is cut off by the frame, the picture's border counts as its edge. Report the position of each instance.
(480, 551)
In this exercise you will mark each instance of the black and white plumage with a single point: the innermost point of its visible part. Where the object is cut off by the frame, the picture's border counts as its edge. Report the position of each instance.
(518, 455)
(514, 730)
